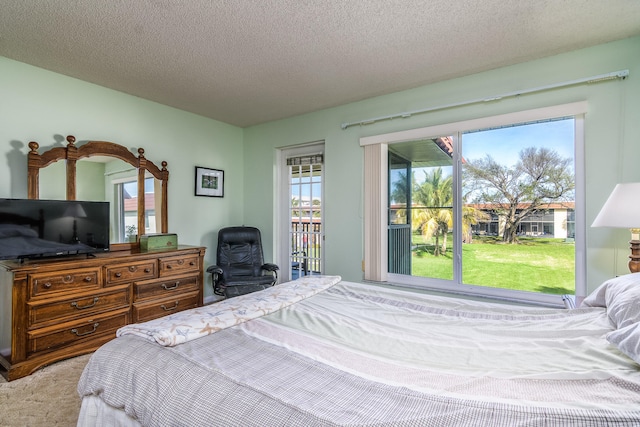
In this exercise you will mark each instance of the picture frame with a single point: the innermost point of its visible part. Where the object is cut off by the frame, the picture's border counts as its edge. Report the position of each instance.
(209, 182)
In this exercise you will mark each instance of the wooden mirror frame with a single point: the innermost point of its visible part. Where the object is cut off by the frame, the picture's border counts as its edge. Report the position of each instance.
(71, 154)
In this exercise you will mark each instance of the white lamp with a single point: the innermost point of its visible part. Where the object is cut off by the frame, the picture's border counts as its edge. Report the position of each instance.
(622, 210)
(75, 210)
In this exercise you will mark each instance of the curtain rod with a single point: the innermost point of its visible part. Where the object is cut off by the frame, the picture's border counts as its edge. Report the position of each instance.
(622, 74)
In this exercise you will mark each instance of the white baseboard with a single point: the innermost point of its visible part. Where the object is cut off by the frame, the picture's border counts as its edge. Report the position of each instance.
(212, 298)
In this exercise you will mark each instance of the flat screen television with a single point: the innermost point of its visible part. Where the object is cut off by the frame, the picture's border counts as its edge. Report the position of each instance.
(49, 228)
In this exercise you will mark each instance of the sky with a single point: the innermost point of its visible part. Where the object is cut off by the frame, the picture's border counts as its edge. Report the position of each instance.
(504, 144)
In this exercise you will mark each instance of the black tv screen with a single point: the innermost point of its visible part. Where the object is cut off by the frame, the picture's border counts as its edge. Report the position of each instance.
(46, 228)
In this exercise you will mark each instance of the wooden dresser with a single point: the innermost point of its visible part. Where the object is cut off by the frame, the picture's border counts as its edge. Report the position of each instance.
(53, 309)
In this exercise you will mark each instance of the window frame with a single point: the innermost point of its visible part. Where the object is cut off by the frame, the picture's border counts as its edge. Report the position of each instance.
(376, 200)
(118, 233)
(282, 218)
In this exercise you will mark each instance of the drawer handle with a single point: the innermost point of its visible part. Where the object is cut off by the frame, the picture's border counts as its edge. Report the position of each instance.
(68, 278)
(82, 307)
(165, 308)
(170, 288)
(192, 263)
(118, 275)
(47, 285)
(169, 267)
(133, 268)
(88, 279)
(81, 334)
(147, 270)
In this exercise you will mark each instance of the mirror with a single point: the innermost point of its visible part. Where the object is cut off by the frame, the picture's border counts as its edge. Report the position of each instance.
(52, 179)
(135, 187)
(101, 178)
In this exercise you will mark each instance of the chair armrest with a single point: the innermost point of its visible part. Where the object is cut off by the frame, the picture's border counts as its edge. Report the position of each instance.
(214, 269)
(270, 267)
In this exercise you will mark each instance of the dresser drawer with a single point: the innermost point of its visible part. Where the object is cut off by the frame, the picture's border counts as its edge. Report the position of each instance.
(86, 329)
(164, 288)
(119, 273)
(45, 284)
(179, 264)
(80, 305)
(143, 312)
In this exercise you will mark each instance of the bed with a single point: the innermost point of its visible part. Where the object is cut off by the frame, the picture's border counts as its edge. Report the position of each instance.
(320, 351)
(21, 240)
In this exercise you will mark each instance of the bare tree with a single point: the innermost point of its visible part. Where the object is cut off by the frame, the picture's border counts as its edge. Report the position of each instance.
(541, 176)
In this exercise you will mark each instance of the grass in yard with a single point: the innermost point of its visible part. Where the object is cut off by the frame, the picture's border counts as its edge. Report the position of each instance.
(535, 264)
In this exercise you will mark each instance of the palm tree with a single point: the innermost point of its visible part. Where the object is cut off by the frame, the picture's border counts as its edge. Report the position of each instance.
(400, 191)
(434, 214)
(471, 216)
(435, 194)
(436, 218)
(433, 223)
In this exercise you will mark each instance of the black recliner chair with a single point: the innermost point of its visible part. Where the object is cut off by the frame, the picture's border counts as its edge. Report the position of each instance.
(240, 267)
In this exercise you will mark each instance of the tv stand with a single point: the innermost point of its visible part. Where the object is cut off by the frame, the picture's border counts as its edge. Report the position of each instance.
(57, 308)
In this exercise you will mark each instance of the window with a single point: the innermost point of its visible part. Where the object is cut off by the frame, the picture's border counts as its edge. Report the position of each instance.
(458, 198)
(126, 209)
(305, 210)
(300, 211)
(421, 208)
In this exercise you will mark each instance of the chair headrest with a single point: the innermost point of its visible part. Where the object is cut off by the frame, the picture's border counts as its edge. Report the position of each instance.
(239, 234)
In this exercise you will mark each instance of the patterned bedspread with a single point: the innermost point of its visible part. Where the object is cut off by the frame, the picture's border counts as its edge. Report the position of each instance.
(201, 321)
(360, 355)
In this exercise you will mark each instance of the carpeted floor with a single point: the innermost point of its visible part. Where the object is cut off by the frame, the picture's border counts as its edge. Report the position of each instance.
(47, 397)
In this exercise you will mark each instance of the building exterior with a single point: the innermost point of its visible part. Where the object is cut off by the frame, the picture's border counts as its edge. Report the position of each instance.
(555, 220)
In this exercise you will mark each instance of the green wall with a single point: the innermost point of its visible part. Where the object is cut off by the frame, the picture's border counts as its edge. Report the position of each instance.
(612, 139)
(42, 106)
(38, 105)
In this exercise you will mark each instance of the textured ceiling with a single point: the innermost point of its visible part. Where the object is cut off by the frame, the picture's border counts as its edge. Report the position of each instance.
(246, 62)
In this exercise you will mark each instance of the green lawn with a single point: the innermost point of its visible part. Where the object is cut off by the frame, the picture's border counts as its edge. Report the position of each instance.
(535, 264)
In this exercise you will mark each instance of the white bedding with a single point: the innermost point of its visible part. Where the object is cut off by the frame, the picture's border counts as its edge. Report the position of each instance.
(188, 325)
(358, 354)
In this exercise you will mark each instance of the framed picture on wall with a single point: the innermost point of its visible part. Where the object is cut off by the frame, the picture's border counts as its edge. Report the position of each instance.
(209, 182)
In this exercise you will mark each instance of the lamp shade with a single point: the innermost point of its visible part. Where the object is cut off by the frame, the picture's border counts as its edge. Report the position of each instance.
(75, 210)
(622, 208)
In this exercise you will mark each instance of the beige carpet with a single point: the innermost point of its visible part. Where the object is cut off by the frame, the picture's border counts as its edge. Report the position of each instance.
(47, 397)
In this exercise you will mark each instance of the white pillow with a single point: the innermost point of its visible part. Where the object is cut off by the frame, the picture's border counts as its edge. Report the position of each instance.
(627, 340)
(621, 297)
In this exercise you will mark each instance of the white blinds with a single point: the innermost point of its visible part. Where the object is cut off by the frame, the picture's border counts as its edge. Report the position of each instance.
(313, 159)
(375, 215)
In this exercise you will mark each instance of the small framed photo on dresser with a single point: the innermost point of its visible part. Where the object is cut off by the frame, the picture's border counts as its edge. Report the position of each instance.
(209, 182)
